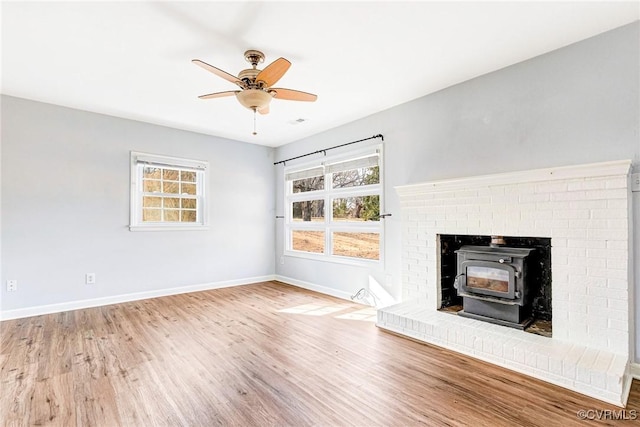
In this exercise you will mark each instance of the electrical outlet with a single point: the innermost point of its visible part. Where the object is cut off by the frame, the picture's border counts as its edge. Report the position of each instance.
(281, 260)
(635, 182)
(90, 278)
(12, 285)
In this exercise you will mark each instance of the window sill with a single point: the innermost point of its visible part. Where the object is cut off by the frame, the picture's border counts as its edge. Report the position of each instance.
(358, 262)
(168, 227)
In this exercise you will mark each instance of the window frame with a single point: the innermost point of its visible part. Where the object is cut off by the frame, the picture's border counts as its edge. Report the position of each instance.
(140, 160)
(328, 194)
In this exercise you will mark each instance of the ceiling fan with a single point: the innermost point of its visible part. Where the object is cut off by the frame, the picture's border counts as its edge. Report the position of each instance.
(256, 89)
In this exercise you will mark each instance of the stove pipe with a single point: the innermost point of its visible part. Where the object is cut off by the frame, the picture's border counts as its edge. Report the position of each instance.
(497, 241)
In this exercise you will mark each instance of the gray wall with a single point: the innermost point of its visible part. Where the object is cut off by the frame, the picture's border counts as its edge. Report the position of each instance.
(576, 105)
(65, 208)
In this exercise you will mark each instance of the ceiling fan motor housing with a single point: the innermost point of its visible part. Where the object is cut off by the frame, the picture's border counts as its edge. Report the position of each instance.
(248, 76)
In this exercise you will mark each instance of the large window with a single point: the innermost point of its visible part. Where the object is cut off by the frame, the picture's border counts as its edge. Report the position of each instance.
(333, 208)
(167, 193)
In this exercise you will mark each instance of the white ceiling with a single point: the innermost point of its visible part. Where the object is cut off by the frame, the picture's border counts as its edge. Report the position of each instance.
(133, 60)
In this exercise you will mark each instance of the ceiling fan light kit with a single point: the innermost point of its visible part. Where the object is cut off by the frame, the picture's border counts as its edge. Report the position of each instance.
(256, 89)
(254, 99)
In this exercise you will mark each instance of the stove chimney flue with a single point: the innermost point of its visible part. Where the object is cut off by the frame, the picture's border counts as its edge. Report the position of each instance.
(497, 241)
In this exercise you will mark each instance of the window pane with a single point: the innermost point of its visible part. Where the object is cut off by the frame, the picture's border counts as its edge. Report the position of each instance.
(357, 245)
(308, 184)
(189, 203)
(152, 215)
(188, 176)
(361, 208)
(170, 174)
(151, 186)
(170, 187)
(152, 202)
(150, 172)
(172, 215)
(311, 210)
(188, 189)
(188, 216)
(356, 177)
(171, 202)
(308, 241)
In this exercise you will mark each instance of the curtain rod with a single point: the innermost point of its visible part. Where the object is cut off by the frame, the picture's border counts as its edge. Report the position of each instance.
(330, 148)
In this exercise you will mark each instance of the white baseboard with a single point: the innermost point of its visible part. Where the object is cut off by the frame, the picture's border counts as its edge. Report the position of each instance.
(634, 370)
(313, 287)
(115, 299)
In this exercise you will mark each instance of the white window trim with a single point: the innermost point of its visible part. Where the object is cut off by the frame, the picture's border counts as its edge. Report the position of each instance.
(328, 226)
(135, 222)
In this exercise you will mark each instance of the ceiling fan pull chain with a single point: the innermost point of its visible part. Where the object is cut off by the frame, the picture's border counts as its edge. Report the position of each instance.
(254, 122)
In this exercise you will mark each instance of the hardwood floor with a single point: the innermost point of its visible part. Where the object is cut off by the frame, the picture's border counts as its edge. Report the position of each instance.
(257, 355)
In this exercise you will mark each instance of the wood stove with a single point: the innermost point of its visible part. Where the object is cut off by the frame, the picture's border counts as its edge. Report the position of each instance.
(492, 281)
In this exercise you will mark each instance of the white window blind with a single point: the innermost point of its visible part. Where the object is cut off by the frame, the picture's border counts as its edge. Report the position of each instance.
(305, 173)
(174, 162)
(363, 162)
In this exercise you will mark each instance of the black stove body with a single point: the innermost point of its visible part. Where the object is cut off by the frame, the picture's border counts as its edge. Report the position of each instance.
(492, 281)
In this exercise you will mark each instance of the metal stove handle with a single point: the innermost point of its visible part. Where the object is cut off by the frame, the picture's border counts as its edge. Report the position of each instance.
(455, 281)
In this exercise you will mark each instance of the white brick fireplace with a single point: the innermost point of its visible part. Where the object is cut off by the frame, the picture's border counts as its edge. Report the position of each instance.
(585, 210)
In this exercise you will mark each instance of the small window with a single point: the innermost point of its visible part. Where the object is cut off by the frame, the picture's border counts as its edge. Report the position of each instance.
(167, 193)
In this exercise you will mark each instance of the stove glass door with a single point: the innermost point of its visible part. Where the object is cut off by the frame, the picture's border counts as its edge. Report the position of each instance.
(493, 279)
(488, 278)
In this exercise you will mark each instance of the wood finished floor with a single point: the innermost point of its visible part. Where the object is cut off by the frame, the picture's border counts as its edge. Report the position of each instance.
(257, 355)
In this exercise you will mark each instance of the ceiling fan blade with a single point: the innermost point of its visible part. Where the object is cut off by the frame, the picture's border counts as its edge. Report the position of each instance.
(219, 94)
(217, 71)
(274, 71)
(293, 95)
(264, 110)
